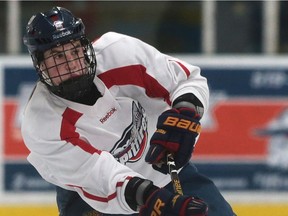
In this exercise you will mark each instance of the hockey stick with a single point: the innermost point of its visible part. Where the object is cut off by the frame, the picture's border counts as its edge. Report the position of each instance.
(174, 175)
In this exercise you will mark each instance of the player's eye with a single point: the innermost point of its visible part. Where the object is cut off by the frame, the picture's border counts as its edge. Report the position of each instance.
(76, 51)
(59, 55)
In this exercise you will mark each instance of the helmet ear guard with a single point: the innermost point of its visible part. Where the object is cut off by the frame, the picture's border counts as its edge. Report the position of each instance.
(55, 28)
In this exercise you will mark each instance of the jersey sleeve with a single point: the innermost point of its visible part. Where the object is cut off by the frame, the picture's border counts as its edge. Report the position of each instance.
(129, 61)
(97, 178)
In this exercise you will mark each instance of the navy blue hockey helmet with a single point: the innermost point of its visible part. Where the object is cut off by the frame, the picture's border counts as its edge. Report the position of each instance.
(54, 28)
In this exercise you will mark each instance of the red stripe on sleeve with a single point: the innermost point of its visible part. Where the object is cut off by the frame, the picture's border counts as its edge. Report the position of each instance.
(94, 197)
(186, 70)
(69, 134)
(98, 198)
(135, 75)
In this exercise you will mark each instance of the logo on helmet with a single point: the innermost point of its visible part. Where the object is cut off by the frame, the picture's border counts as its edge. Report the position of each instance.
(62, 34)
(58, 24)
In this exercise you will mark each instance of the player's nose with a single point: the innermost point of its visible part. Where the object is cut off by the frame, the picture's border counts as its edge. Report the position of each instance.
(71, 62)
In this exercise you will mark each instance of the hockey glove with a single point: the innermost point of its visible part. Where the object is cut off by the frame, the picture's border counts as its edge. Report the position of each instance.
(164, 203)
(176, 132)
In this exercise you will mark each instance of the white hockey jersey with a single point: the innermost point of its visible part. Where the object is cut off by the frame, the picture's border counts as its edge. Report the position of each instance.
(95, 150)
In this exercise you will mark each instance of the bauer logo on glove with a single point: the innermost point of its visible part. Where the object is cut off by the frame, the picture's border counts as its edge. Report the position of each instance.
(183, 123)
(164, 203)
(177, 130)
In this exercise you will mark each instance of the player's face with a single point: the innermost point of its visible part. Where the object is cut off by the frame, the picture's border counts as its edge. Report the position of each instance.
(64, 62)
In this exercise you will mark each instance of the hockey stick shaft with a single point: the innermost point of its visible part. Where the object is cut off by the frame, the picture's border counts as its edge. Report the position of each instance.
(174, 175)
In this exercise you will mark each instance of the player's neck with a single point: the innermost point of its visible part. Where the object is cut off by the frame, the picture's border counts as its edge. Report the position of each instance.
(90, 97)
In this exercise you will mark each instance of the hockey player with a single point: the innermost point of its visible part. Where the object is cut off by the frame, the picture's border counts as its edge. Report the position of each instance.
(103, 117)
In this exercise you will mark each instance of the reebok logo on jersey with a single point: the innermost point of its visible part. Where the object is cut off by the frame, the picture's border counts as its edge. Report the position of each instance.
(108, 114)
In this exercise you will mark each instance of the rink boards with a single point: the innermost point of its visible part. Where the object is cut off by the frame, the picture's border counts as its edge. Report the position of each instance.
(241, 210)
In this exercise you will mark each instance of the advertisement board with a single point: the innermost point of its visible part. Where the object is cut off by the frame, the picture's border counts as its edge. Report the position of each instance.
(19, 181)
(242, 146)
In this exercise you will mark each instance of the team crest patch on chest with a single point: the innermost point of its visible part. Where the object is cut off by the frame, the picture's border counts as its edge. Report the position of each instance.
(133, 141)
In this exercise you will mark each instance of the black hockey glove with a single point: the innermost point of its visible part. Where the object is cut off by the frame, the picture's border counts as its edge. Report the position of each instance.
(164, 203)
(176, 132)
(141, 193)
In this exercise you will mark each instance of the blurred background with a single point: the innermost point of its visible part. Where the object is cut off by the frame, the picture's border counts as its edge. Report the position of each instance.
(194, 27)
(241, 47)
